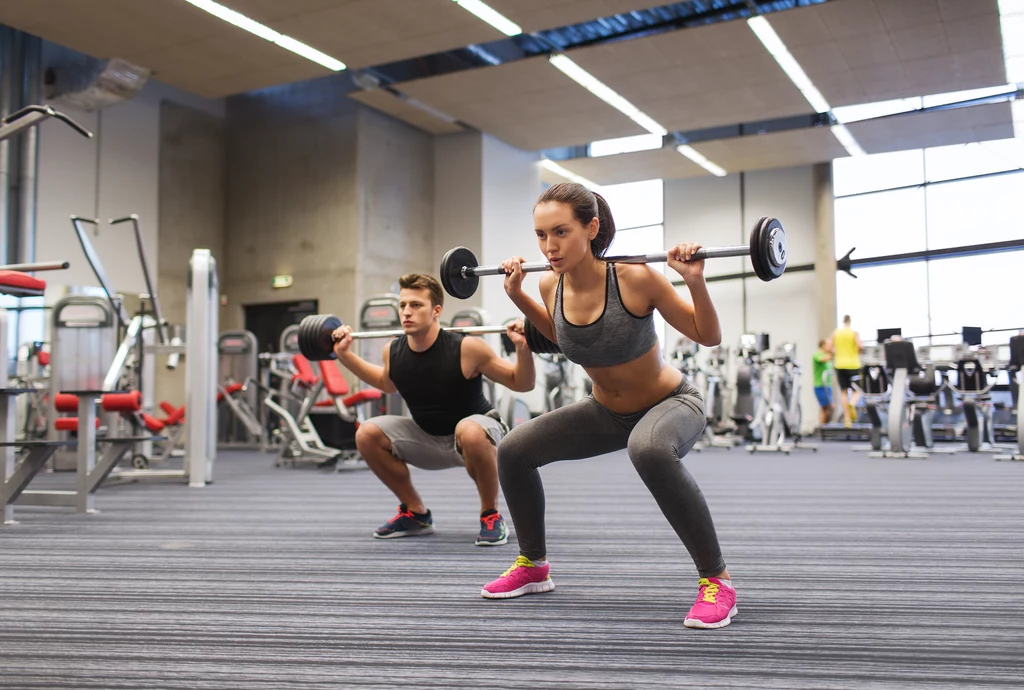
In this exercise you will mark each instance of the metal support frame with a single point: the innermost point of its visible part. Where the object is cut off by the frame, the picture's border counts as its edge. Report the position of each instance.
(201, 368)
(300, 429)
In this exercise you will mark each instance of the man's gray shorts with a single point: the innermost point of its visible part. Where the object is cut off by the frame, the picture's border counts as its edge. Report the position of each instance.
(414, 446)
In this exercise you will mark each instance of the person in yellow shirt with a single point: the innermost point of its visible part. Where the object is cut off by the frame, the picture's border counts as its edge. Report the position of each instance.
(845, 346)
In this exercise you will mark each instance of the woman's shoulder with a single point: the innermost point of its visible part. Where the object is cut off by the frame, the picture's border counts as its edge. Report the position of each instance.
(637, 276)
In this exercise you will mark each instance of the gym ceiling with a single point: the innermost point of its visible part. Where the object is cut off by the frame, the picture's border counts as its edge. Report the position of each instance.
(695, 67)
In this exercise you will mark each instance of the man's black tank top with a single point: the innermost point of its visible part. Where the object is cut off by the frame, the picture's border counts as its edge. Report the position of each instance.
(431, 383)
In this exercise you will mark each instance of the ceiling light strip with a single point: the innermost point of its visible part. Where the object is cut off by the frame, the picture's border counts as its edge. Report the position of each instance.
(554, 167)
(700, 160)
(265, 32)
(491, 16)
(1011, 25)
(605, 93)
(778, 50)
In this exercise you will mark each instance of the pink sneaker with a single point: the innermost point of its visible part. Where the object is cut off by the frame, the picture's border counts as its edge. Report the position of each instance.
(715, 606)
(522, 578)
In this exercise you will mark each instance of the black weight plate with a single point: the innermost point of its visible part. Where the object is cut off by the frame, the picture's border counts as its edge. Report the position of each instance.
(756, 253)
(305, 326)
(776, 253)
(330, 324)
(451, 273)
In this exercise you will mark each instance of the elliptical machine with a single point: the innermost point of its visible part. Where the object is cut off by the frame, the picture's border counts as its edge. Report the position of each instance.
(783, 415)
(749, 409)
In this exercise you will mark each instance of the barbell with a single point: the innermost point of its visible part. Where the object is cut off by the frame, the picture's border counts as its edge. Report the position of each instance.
(460, 270)
(316, 336)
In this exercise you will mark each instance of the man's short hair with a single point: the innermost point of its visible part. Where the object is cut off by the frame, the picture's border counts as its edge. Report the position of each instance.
(419, 281)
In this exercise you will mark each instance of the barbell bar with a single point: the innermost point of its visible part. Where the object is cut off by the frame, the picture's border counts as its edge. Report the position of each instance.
(461, 272)
(316, 336)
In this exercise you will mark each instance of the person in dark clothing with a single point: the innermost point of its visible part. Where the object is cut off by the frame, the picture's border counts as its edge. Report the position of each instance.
(438, 374)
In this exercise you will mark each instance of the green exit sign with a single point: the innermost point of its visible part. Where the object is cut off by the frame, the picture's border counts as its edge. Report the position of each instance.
(281, 281)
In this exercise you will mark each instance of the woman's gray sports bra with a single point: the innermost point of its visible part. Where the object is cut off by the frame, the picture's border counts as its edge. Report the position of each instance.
(616, 337)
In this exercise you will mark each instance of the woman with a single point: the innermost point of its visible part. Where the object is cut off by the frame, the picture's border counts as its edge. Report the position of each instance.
(602, 317)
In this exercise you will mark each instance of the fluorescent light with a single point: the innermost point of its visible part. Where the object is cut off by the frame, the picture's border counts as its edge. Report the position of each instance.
(771, 41)
(969, 95)
(491, 16)
(1011, 25)
(700, 160)
(846, 139)
(236, 18)
(764, 31)
(554, 167)
(265, 32)
(638, 142)
(605, 93)
(866, 111)
(289, 43)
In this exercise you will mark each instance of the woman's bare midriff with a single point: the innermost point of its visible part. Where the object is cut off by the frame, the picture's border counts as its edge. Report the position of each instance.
(636, 385)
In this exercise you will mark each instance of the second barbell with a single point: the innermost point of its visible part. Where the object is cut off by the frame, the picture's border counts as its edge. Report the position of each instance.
(316, 336)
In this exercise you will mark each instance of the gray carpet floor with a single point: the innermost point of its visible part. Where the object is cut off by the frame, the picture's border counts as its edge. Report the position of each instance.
(851, 572)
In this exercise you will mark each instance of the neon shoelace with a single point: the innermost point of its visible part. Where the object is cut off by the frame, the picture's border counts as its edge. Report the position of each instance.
(521, 562)
(490, 520)
(709, 590)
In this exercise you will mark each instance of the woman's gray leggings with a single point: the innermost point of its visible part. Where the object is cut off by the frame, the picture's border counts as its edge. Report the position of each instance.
(655, 439)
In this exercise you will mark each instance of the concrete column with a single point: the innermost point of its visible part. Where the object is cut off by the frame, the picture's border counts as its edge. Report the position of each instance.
(824, 249)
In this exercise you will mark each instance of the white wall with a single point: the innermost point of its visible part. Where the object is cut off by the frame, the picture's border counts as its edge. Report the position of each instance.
(511, 185)
(709, 210)
(113, 174)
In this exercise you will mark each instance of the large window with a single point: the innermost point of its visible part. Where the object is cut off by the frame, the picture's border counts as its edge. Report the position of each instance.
(913, 201)
(639, 212)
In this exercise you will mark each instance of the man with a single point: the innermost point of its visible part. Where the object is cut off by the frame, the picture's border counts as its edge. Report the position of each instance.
(822, 383)
(438, 374)
(845, 346)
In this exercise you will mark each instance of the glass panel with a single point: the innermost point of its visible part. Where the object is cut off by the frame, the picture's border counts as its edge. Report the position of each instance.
(636, 204)
(976, 291)
(965, 160)
(858, 174)
(975, 211)
(880, 224)
(885, 297)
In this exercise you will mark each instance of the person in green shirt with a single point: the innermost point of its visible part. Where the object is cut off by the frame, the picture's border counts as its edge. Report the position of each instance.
(823, 382)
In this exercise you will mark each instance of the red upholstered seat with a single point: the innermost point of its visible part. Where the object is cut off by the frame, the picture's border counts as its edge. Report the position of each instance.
(175, 415)
(152, 423)
(334, 382)
(123, 402)
(19, 280)
(303, 371)
(362, 396)
(231, 389)
(65, 402)
(69, 423)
